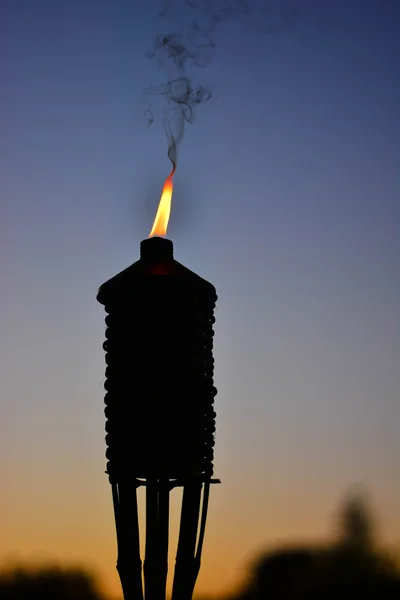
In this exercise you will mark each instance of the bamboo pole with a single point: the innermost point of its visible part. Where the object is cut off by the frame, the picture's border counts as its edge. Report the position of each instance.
(129, 564)
(185, 557)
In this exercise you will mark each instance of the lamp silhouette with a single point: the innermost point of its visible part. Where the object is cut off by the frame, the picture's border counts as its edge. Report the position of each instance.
(160, 414)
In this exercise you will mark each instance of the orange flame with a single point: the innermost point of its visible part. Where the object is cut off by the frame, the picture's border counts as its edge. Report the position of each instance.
(164, 208)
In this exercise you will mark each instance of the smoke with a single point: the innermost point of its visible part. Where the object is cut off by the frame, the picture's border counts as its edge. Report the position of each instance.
(188, 43)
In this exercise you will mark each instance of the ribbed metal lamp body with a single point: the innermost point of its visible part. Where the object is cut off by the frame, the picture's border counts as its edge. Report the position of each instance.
(159, 374)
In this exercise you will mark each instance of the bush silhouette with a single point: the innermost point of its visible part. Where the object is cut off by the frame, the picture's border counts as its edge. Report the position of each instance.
(351, 568)
(47, 583)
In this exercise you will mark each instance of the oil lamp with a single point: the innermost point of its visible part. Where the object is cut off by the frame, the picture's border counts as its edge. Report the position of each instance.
(160, 418)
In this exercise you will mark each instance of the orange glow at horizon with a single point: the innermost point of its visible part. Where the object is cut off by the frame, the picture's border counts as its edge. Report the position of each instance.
(160, 224)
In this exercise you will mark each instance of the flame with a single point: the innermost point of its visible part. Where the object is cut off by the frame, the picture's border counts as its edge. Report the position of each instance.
(164, 208)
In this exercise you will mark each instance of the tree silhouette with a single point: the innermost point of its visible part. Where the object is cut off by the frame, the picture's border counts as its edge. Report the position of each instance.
(351, 568)
(48, 583)
(356, 524)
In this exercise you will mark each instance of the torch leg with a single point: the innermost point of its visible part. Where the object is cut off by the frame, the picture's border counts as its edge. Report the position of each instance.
(185, 567)
(163, 513)
(151, 549)
(156, 552)
(197, 561)
(129, 565)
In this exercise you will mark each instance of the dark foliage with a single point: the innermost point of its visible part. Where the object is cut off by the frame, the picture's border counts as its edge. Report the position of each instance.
(351, 569)
(48, 583)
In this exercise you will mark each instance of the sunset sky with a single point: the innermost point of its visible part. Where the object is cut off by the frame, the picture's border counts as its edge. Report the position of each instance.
(286, 199)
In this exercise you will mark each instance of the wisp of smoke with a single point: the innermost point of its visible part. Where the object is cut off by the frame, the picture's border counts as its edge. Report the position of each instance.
(189, 42)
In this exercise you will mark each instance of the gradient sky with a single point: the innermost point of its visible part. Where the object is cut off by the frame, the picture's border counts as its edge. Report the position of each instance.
(286, 199)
